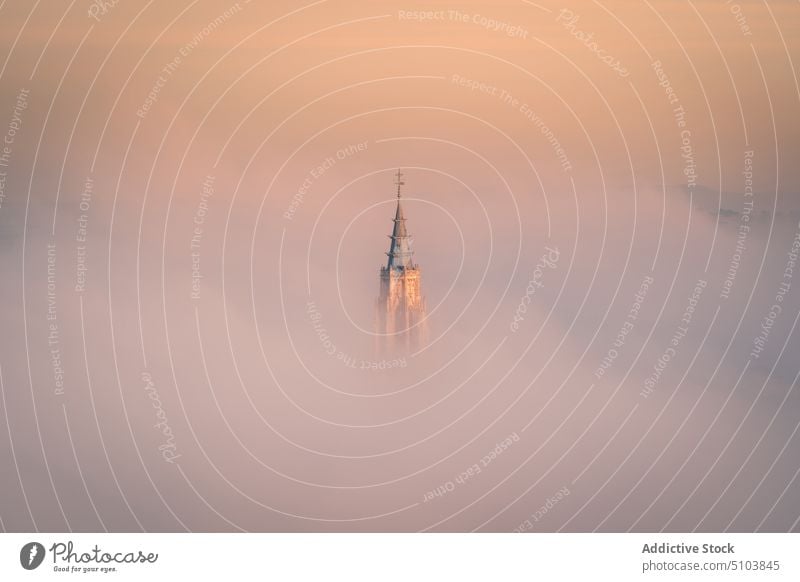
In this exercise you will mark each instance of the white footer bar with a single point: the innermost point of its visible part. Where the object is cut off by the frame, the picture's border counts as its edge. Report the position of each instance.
(390, 557)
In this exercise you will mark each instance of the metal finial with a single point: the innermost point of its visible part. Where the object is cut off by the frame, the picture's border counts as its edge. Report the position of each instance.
(399, 182)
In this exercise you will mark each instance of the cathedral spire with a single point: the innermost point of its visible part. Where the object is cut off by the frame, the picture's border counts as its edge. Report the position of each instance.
(400, 307)
(400, 249)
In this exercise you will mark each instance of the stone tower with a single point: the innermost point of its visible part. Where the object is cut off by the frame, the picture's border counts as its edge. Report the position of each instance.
(401, 318)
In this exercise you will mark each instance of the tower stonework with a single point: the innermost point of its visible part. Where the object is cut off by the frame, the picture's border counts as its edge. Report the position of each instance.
(401, 317)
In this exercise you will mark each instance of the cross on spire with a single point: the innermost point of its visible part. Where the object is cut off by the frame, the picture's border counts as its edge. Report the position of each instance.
(399, 182)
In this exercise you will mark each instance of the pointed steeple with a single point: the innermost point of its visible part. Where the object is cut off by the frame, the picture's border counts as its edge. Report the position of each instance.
(400, 307)
(400, 249)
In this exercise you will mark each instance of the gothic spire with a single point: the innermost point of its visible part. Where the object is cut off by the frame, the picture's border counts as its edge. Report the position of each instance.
(400, 249)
